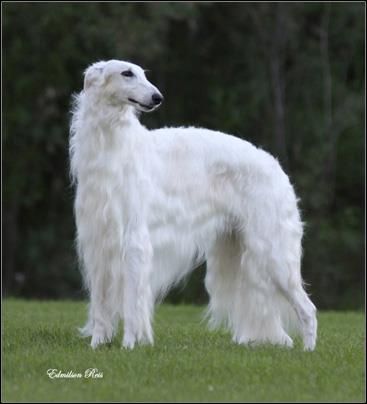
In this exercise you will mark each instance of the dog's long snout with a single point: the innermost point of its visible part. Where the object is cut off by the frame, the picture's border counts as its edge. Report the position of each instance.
(157, 98)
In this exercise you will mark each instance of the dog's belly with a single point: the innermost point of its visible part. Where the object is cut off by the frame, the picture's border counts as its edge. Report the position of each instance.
(182, 228)
(178, 224)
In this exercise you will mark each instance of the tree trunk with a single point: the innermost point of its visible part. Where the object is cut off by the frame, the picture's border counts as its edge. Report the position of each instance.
(277, 74)
(331, 133)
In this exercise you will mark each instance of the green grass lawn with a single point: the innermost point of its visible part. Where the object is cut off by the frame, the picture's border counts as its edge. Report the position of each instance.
(187, 363)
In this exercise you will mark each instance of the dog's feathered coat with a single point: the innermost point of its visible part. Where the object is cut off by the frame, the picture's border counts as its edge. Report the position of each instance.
(152, 204)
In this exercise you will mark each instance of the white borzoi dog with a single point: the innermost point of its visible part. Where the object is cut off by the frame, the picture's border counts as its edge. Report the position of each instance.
(153, 204)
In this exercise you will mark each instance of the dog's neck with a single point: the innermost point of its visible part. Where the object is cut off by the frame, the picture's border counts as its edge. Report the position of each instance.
(99, 130)
(109, 117)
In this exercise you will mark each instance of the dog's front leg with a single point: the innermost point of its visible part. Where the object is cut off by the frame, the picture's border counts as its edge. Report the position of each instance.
(137, 294)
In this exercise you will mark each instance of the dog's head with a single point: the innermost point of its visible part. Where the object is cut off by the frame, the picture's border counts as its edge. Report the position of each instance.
(119, 83)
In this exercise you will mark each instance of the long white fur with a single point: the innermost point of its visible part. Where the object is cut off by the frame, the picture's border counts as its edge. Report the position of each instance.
(152, 204)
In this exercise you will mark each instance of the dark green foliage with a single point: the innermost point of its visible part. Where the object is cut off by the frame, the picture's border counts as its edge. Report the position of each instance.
(287, 76)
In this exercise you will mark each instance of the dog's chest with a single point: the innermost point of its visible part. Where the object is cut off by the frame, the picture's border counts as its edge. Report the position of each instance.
(105, 190)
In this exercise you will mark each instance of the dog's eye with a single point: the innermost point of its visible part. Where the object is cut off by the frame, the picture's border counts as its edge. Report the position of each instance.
(128, 73)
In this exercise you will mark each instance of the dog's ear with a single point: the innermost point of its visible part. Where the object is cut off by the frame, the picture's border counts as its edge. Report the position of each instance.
(94, 75)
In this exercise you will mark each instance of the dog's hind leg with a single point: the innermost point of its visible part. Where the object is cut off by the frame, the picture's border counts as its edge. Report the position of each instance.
(305, 310)
(241, 296)
(223, 261)
(258, 315)
(285, 271)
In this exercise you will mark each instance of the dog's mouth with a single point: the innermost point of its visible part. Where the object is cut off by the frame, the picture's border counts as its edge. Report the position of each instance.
(145, 107)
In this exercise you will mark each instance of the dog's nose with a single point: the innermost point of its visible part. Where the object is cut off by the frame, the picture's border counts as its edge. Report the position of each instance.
(157, 98)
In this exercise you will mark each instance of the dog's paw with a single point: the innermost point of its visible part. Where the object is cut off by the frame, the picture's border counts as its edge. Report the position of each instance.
(100, 338)
(287, 341)
(128, 344)
(128, 341)
(309, 342)
(97, 340)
